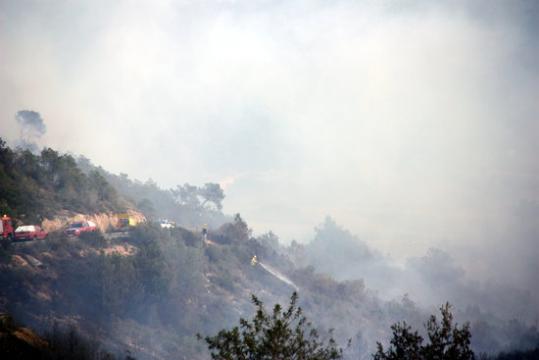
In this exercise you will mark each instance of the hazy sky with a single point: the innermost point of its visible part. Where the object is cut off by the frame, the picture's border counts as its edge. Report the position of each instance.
(412, 123)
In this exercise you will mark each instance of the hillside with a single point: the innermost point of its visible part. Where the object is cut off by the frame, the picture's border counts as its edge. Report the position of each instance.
(149, 291)
(153, 291)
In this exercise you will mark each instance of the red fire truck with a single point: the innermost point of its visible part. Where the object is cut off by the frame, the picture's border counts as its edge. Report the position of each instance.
(6, 228)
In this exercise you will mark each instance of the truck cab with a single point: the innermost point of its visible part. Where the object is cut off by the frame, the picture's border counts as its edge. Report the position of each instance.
(30, 232)
(126, 221)
(79, 227)
(6, 228)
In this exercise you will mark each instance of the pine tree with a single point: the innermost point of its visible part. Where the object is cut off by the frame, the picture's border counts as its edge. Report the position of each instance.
(281, 335)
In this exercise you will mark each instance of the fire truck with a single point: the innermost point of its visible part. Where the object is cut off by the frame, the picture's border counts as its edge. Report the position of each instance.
(125, 222)
(6, 228)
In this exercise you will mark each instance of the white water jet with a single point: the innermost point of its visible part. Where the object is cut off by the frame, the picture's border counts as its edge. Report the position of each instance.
(278, 275)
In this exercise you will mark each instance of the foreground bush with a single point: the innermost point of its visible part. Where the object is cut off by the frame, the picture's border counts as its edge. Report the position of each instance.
(281, 335)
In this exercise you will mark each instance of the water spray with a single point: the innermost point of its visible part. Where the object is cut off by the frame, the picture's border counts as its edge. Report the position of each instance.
(274, 272)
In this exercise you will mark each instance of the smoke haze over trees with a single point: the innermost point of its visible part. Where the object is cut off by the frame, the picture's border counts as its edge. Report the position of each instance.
(430, 279)
(381, 155)
(188, 205)
(159, 287)
(409, 123)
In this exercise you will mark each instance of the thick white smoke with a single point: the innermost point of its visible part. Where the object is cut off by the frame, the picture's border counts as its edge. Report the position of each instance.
(32, 128)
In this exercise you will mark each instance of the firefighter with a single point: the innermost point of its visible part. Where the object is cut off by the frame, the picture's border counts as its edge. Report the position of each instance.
(205, 232)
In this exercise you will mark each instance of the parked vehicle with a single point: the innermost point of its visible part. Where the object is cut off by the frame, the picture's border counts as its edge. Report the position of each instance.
(6, 228)
(126, 221)
(165, 224)
(30, 232)
(77, 228)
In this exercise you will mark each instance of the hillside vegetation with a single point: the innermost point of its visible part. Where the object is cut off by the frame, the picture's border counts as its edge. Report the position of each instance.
(151, 290)
(35, 187)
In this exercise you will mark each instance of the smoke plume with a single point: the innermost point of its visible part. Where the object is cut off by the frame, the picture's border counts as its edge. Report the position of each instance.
(32, 128)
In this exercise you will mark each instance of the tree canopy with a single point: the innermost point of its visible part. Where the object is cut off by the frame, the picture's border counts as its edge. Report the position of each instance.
(279, 335)
(38, 186)
(200, 197)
